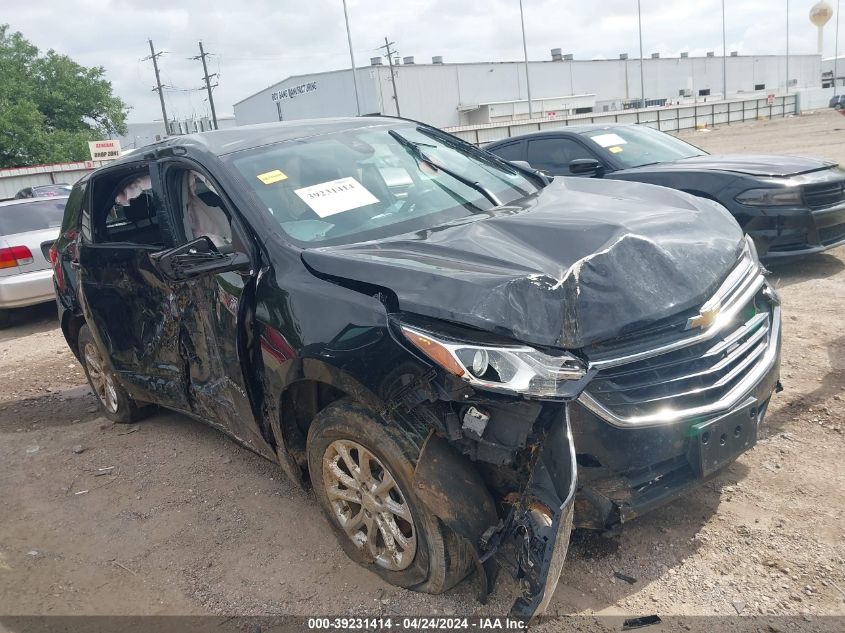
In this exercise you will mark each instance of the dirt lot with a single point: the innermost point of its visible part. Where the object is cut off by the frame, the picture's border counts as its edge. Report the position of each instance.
(187, 522)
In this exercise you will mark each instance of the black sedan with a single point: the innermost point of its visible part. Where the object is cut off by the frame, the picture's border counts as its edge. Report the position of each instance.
(789, 205)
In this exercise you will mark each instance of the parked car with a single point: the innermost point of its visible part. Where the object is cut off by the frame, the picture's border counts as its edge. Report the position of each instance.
(837, 102)
(25, 275)
(446, 361)
(789, 205)
(44, 191)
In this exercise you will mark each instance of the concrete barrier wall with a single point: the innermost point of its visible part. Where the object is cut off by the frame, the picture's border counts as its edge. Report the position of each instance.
(814, 98)
(667, 119)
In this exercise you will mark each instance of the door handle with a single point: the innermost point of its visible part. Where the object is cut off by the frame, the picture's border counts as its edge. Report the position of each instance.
(74, 264)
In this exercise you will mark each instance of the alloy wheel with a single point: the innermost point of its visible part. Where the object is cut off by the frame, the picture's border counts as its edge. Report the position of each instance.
(368, 504)
(101, 378)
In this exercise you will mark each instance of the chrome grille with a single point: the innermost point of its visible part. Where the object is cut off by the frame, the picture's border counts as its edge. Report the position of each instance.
(824, 194)
(689, 377)
(699, 373)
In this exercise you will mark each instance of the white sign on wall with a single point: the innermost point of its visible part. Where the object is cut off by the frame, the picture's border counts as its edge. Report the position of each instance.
(104, 150)
(293, 91)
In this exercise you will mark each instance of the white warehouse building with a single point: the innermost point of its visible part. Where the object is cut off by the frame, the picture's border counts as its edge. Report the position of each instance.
(449, 95)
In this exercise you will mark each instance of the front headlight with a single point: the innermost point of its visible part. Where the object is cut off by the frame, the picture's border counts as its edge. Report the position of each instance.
(773, 197)
(516, 370)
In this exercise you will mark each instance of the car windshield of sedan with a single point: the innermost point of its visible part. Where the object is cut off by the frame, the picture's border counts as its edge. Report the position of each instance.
(638, 145)
(376, 182)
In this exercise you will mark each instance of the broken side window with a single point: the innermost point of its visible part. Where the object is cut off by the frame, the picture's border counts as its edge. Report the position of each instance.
(125, 208)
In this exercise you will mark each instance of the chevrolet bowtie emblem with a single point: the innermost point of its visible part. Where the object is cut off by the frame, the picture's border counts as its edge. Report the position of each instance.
(704, 319)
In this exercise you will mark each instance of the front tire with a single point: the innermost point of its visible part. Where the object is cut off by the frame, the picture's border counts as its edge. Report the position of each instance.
(115, 403)
(362, 472)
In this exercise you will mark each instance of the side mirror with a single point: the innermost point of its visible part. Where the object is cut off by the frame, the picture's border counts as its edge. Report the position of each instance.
(197, 258)
(585, 167)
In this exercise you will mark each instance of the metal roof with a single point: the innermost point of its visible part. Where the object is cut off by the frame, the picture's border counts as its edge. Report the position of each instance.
(236, 139)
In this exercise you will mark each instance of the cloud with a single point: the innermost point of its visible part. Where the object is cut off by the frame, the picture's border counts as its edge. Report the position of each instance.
(259, 42)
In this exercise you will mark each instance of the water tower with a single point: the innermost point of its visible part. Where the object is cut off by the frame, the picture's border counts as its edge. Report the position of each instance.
(820, 14)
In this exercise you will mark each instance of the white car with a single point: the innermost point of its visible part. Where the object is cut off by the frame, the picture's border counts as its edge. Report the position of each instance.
(26, 277)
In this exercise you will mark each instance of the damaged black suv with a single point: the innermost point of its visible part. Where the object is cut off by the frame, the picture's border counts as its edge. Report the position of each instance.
(463, 359)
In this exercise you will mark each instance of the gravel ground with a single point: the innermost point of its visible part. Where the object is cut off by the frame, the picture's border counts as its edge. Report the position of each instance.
(187, 522)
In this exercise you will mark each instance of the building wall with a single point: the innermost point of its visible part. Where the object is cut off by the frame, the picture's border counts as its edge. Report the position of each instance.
(333, 96)
(437, 93)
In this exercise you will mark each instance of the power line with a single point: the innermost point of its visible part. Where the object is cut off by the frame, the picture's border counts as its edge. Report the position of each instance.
(208, 85)
(390, 54)
(154, 56)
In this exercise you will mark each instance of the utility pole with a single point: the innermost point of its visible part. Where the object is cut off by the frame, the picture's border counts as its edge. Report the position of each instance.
(724, 56)
(352, 58)
(525, 53)
(642, 73)
(208, 85)
(154, 56)
(390, 54)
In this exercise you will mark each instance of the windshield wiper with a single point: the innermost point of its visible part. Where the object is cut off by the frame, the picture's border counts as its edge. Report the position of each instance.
(415, 149)
(487, 158)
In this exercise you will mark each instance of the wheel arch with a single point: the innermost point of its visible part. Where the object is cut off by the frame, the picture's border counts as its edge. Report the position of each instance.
(71, 324)
(315, 387)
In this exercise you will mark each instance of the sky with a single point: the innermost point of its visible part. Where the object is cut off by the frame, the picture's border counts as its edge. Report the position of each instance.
(256, 43)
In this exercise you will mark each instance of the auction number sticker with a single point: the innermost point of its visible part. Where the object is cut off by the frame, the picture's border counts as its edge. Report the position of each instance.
(270, 177)
(336, 196)
(606, 140)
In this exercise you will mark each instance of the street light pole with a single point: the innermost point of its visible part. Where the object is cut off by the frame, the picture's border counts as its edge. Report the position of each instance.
(836, 49)
(525, 52)
(642, 73)
(724, 56)
(787, 47)
(352, 58)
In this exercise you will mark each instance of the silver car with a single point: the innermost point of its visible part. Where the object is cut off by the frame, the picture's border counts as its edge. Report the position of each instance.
(26, 277)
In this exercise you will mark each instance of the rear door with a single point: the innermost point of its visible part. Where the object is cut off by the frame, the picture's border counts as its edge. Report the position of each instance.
(131, 310)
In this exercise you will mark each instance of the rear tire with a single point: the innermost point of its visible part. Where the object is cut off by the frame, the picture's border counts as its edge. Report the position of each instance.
(114, 401)
(362, 472)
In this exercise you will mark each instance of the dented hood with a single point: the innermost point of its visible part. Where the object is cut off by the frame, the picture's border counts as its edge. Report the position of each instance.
(584, 261)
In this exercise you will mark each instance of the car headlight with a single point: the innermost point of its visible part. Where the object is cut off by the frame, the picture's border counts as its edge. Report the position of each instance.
(516, 370)
(772, 197)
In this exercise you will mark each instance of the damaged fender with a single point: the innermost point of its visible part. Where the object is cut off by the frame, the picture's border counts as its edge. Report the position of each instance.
(537, 527)
(542, 519)
(451, 489)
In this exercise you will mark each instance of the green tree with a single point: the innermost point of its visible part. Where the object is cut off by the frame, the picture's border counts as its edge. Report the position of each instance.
(50, 106)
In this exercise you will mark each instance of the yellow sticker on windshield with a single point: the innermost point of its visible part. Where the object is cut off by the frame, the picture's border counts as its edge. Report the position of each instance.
(268, 178)
(615, 149)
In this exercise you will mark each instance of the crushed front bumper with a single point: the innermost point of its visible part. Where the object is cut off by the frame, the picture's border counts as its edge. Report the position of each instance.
(659, 414)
